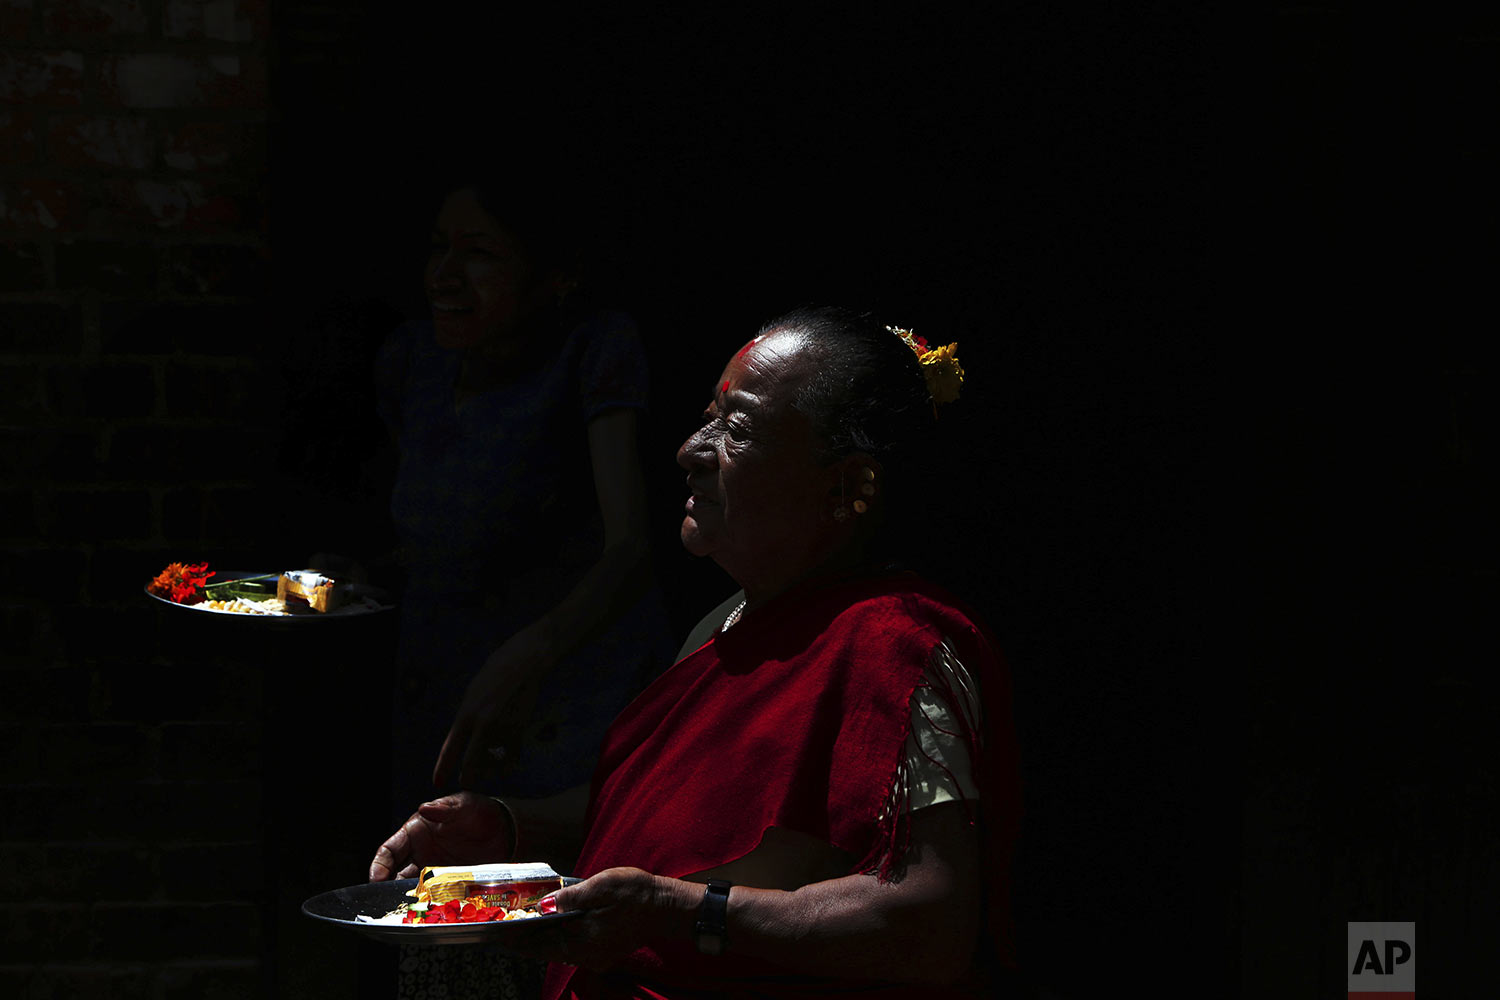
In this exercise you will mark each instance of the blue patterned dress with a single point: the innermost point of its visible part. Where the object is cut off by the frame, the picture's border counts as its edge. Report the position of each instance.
(496, 515)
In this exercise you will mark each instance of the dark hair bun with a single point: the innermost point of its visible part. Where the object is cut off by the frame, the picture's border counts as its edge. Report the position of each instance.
(867, 393)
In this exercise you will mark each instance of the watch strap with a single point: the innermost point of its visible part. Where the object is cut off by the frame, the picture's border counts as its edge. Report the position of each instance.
(711, 933)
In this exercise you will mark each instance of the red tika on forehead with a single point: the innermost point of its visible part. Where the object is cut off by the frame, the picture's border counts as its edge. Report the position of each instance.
(746, 349)
(725, 386)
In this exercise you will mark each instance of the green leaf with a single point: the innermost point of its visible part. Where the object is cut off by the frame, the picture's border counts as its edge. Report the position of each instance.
(250, 590)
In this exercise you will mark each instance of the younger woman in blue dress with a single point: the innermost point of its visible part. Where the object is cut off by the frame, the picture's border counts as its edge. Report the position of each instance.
(529, 618)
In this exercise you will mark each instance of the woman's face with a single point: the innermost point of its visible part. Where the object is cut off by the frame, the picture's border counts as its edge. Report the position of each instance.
(760, 502)
(479, 284)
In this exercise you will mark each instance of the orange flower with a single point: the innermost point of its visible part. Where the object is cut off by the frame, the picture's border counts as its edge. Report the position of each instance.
(181, 584)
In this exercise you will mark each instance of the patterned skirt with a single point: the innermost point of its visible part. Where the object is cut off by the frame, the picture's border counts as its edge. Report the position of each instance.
(466, 972)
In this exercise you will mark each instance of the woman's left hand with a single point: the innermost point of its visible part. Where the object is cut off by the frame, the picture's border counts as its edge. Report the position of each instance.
(493, 709)
(627, 908)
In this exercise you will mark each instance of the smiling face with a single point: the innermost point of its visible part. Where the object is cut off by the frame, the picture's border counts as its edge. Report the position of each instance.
(760, 502)
(479, 283)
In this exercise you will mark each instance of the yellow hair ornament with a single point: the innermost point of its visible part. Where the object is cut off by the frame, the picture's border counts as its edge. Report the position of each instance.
(940, 367)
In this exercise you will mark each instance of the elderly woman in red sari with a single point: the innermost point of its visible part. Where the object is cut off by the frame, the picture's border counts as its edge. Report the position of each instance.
(821, 795)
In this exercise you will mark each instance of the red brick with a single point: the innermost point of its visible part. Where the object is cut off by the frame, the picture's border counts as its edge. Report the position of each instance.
(216, 269)
(107, 390)
(146, 202)
(44, 933)
(223, 871)
(51, 78)
(20, 752)
(43, 328)
(22, 858)
(117, 267)
(148, 454)
(226, 508)
(192, 812)
(162, 80)
(225, 502)
(177, 692)
(36, 205)
(227, 980)
(21, 626)
(94, 17)
(17, 515)
(22, 813)
(178, 812)
(182, 516)
(69, 456)
(17, 137)
(116, 632)
(193, 328)
(168, 931)
(184, 204)
(97, 514)
(15, 20)
(210, 751)
(214, 145)
(90, 981)
(95, 141)
(20, 397)
(197, 391)
(96, 754)
(21, 269)
(218, 20)
(59, 694)
(90, 871)
(28, 572)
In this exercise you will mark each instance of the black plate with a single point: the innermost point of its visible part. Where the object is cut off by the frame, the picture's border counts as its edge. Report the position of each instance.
(375, 899)
(363, 599)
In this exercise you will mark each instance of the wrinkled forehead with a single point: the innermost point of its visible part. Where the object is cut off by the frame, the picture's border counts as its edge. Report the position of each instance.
(776, 360)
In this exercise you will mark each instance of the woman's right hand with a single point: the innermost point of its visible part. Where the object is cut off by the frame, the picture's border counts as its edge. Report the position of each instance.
(494, 706)
(460, 829)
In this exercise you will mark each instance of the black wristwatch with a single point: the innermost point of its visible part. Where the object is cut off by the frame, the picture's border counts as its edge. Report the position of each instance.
(709, 933)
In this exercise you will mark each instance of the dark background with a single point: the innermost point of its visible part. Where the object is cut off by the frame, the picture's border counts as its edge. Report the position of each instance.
(1225, 460)
(1037, 188)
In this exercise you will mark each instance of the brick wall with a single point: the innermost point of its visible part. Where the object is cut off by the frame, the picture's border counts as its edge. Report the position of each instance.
(137, 426)
(157, 771)
(136, 218)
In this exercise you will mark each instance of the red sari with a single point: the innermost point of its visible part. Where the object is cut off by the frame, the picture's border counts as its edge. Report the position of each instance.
(797, 717)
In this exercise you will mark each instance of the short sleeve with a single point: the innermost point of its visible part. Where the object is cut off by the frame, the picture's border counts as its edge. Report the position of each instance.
(937, 766)
(612, 370)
